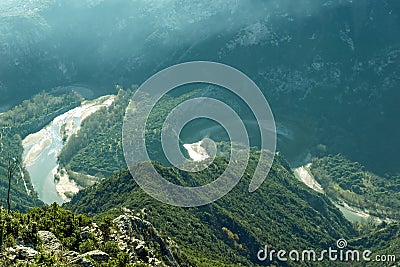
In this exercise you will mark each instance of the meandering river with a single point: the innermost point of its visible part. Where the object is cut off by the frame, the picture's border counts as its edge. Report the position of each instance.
(41, 149)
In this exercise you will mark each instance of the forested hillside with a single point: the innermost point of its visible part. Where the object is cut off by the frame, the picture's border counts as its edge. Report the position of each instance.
(283, 212)
(96, 149)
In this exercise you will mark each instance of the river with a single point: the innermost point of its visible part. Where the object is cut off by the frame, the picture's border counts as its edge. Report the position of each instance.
(352, 214)
(41, 150)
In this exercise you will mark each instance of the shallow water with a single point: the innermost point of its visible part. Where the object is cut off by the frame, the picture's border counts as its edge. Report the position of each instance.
(42, 169)
(352, 215)
(42, 166)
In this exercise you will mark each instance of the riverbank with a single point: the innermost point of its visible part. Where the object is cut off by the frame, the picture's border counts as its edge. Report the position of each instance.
(65, 187)
(42, 148)
(33, 138)
(353, 214)
(36, 150)
(303, 173)
(196, 151)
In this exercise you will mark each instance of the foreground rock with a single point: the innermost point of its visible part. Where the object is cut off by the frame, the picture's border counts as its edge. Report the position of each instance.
(141, 240)
(50, 241)
(96, 255)
(132, 236)
(20, 252)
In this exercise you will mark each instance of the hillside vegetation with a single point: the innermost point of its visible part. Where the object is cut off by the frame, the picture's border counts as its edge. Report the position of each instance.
(283, 213)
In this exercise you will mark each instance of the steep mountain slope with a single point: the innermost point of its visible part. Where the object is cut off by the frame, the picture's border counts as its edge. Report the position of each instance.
(382, 241)
(282, 213)
(332, 65)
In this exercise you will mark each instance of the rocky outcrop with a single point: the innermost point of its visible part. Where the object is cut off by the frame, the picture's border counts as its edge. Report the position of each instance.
(81, 262)
(96, 255)
(50, 241)
(141, 240)
(20, 252)
(133, 235)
